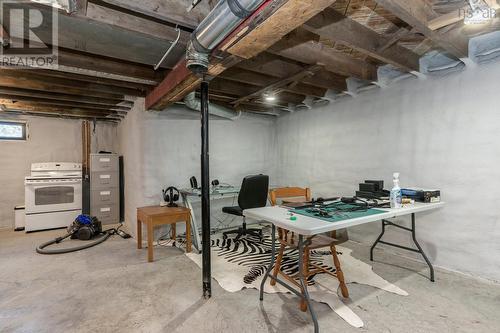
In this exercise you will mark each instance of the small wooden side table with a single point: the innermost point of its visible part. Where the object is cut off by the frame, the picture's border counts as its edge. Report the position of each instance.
(153, 216)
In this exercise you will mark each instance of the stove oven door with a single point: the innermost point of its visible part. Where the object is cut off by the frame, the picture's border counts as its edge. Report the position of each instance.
(53, 195)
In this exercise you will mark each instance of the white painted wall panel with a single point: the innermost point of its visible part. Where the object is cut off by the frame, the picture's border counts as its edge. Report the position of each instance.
(439, 132)
(50, 140)
(163, 149)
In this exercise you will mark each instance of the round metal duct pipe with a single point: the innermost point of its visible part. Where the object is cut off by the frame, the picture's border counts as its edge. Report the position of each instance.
(194, 103)
(219, 23)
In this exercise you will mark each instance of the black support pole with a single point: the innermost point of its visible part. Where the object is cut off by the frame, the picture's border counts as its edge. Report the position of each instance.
(205, 194)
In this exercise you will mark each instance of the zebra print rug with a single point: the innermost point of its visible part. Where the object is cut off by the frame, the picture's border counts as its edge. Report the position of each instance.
(239, 265)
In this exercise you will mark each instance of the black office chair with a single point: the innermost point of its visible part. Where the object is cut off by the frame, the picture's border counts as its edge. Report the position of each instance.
(253, 194)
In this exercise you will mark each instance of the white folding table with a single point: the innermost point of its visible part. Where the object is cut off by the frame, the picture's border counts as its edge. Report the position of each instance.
(310, 226)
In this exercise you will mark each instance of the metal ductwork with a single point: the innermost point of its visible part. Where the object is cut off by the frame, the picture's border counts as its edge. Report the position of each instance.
(194, 103)
(219, 23)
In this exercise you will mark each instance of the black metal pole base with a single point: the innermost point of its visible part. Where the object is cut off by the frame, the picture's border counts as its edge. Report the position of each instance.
(207, 290)
(414, 237)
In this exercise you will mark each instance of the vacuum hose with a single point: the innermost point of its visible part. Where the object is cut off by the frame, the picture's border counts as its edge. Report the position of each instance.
(41, 248)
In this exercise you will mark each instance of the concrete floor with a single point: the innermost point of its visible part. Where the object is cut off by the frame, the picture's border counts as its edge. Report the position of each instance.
(111, 288)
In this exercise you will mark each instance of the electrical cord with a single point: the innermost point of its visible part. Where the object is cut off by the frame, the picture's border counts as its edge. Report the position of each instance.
(105, 235)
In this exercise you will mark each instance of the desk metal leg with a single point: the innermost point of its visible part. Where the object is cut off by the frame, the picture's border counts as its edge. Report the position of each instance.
(194, 225)
(303, 282)
(271, 263)
(414, 237)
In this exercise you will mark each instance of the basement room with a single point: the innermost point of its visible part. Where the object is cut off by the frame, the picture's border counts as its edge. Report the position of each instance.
(249, 166)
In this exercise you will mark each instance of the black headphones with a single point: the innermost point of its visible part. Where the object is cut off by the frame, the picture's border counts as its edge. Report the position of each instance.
(171, 195)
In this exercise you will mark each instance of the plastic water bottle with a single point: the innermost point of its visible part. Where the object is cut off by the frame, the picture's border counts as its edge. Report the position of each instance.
(396, 196)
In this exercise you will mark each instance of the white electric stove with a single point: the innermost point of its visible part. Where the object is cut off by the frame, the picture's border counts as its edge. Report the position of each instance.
(53, 195)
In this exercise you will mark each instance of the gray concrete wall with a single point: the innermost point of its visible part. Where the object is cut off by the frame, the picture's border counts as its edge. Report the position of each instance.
(162, 149)
(439, 132)
(50, 140)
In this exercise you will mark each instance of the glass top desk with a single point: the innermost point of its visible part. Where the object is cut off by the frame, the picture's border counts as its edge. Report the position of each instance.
(189, 196)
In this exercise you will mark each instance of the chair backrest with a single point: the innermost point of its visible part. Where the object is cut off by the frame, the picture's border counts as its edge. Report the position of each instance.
(253, 192)
(289, 192)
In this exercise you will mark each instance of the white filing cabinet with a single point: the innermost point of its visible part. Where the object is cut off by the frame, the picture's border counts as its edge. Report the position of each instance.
(104, 188)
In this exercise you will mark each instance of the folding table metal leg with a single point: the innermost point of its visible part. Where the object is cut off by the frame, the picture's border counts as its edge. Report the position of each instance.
(303, 283)
(271, 263)
(194, 224)
(414, 237)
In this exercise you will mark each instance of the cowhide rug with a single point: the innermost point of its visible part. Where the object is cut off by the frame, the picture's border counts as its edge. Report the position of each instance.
(238, 265)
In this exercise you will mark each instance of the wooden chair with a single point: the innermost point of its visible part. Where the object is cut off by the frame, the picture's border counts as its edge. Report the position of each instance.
(287, 239)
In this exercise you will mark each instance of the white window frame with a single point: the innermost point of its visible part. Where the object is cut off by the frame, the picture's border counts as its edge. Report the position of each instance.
(17, 122)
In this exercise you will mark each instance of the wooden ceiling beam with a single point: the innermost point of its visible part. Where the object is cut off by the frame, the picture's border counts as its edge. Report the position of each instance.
(267, 25)
(41, 85)
(307, 72)
(33, 76)
(34, 107)
(101, 67)
(239, 89)
(52, 102)
(300, 47)
(291, 15)
(269, 64)
(18, 92)
(261, 80)
(415, 13)
(48, 114)
(169, 11)
(23, 104)
(87, 78)
(79, 63)
(336, 27)
(81, 34)
(98, 13)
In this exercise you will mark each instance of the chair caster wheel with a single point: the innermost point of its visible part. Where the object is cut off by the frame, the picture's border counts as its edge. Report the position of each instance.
(224, 236)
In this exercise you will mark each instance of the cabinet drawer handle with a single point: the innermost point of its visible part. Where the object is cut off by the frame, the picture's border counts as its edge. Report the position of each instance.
(106, 209)
(105, 160)
(105, 193)
(105, 176)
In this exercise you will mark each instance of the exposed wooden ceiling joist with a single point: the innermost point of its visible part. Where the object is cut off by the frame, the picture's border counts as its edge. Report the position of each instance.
(102, 67)
(20, 92)
(34, 107)
(266, 63)
(237, 90)
(108, 68)
(266, 20)
(301, 47)
(129, 22)
(332, 25)
(172, 11)
(260, 80)
(26, 83)
(62, 103)
(416, 14)
(33, 77)
(86, 78)
(307, 72)
(291, 15)
(78, 33)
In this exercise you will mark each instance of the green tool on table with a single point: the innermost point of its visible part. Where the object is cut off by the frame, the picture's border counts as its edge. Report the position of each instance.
(337, 211)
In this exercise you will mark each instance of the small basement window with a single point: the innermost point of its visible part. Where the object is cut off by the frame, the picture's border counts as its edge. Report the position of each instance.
(12, 130)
